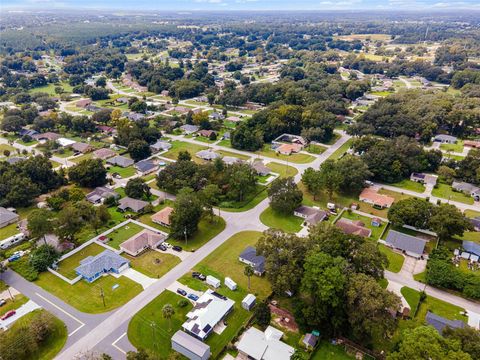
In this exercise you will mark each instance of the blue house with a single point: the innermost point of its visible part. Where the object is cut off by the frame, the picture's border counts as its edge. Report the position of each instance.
(92, 267)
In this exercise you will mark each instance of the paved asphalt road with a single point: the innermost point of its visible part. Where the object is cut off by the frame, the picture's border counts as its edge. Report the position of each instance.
(98, 332)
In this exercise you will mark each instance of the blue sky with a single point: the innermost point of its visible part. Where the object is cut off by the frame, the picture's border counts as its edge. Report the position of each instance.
(248, 4)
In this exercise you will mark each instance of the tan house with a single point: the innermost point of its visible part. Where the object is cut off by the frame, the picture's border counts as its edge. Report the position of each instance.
(143, 241)
(163, 216)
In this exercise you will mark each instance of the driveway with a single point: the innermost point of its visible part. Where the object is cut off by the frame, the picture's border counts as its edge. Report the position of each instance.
(138, 277)
(21, 311)
(176, 285)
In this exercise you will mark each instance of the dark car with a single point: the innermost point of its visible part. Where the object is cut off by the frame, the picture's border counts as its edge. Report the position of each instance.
(202, 277)
(181, 292)
(177, 248)
(192, 297)
(162, 247)
(8, 314)
(195, 274)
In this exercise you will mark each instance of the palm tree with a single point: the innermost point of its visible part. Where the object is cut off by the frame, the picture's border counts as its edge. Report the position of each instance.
(168, 311)
(248, 272)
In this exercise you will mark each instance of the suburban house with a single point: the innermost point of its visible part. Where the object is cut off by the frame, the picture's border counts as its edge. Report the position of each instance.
(162, 217)
(471, 247)
(146, 166)
(100, 194)
(476, 223)
(83, 103)
(445, 139)
(209, 310)
(267, 345)
(353, 227)
(27, 132)
(134, 205)
(423, 178)
(65, 142)
(233, 119)
(311, 215)
(372, 197)
(142, 241)
(121, 161)
(260, 168)
(189, 129)
(92, 267)
(7, 217)
(216, 116)
(440, 323)
(108, 130)
(288, 149)
(160, 146)
(189, 346)
(206, 133)
(51, 136)
(472, 144)
(257, 262)
(207, 155)
(230, 160)
(290, 139)
(104, 153)
(466, 188)
(411, 245)
(82, 147)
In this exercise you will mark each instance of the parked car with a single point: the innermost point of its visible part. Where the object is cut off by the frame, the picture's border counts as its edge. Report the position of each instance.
(8, 314)
(166, 244)
(162, 247)
(177, 248)
(14, 257)
(182, 292)
(192, 297)
(195, 274)
(2, 302)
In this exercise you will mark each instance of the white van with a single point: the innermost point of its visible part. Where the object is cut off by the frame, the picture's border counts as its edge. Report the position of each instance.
(12, 240)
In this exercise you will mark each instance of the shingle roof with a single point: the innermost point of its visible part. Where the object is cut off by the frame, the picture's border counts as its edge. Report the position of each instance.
(145, 165)
(163, 216)
(133, 204)
(141, 241)
(406, 242)
(440, 323)
(101, 192)
(121, 161)
(106, 260)
(161, 145)
(104, 153)
(250, 255)
(7, 215)
(189, 342)
(351, 228)
(260, 168)
(207, 155)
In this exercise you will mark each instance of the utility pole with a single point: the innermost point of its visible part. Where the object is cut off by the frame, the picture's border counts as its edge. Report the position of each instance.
(103, 296)
(185, 232)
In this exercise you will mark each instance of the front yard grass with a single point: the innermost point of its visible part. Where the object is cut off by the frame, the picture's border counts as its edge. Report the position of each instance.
(282, 170)
(232, 154)
(123, 172)
(337, 154)
(298, 158)
(440, 308)
(123, 233)
(8, 231)
(86, 297)
(445, 191)
(457, 147)
(328, 351)
(18, 300)
(410, 185)
(149, 330)
(153, 263)
(67, 266)
(315, 149)
(395, 260)
(412, 297)
(207, 229)
(178, 146)
(287, 223)
(253, 200)
(471, 213)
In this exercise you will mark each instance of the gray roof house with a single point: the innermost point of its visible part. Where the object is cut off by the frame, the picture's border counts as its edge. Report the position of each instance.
(413, 246)
(471, 247)
(189, 346)
(207, 155)
(160, 146)
(230, 160)
(189, 129)
(134, 205)
(121, 161)
(146, 166)
(7, 217)
(445, 139)
(260, 168)
(311, 215)
(249, 256)
(15, 159)
(440, 323)
(92, 267)
(100, 193)
(476, 223)
(467, 188)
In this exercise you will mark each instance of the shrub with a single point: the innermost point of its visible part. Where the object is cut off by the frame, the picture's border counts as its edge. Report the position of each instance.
(182, 303)
(23, 268)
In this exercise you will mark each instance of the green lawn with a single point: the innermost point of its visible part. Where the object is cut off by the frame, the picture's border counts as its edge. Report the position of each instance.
(86, 297)
(124, 233)
(4, 147)
(67, 266)
(457, 147)
(376, 231)
(440, 308)
(412, 297)
(178, 146)
(471, 213)
(149, 330)
(395, 260)
(207, 230)
(232, 154)
(225, 143)
(18, 300)
(282, 170)
(50, 88)
(123, 172)
(153, 263)
(328, 351)
(8, 231)
(445, 191)
(82, 157)
(341, 150)
(408, 184)
(52, 344)
(64, 153)
(287, 223)
(294, 158)
(315, 149)
(253, 200)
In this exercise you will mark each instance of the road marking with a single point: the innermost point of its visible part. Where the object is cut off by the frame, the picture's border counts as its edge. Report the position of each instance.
(82, 324)
(114, 344)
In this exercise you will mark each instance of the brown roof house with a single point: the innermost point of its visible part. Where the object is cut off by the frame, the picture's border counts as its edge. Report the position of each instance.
(353, 227)
(82, 147)
(142, 241)
(311, 215)
(134, 205)
(163, 216)
(104, 153)
(371, 196)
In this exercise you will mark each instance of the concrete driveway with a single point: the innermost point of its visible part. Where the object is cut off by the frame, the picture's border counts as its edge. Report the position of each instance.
(138, 277)
(21, 311)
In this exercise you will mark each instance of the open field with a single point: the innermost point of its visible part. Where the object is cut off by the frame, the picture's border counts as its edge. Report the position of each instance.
(153, 263)
(287, 223)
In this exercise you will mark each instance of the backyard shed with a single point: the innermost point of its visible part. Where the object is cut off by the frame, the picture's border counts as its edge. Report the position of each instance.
(232, 285)
(213, 281)
(249, 302)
